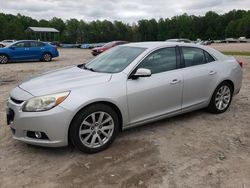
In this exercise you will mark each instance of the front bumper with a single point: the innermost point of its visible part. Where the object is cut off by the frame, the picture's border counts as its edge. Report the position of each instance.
(54, 123)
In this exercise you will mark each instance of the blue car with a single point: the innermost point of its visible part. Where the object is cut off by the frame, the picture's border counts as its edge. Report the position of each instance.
(28, 50)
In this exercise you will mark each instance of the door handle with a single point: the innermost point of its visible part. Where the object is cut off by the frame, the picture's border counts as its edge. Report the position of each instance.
(175, 81)
(26, 48)
(212, 72)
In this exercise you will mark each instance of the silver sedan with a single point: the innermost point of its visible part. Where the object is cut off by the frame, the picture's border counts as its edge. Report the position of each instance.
(133, 84)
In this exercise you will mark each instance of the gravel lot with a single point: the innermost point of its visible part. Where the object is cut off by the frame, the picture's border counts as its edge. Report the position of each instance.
(197, 149)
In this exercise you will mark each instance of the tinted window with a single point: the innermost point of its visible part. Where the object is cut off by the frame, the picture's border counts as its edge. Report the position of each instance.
(208, 57)
(21, 45)
(36, 44)
(193, 56)
(160, 61)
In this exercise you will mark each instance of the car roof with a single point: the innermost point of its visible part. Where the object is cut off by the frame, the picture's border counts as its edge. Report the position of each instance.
(161, 44)
(28, 41)
(158, 44)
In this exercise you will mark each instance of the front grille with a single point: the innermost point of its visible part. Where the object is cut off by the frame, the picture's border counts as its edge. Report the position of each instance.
(16, 101)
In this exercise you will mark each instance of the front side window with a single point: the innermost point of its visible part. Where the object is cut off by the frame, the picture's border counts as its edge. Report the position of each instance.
(115, 59)
(20, 45)
(208, 57)
(160, 60)
(193, 56)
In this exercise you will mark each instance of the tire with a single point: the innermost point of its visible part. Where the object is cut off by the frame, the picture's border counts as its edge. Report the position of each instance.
(221, 98)
(4, 59)
(94, 128)
(47, 57)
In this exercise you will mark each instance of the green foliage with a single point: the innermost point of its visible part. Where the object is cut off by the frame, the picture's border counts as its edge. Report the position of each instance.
(235, 23)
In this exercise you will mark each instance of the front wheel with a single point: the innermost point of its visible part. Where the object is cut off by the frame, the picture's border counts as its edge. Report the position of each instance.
(221, 98)
(94, 128)
(47, 57)
(3, 59)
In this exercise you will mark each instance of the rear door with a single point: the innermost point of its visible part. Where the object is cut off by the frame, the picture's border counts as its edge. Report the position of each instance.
(199, 75)
(159, 94)
(36, 49)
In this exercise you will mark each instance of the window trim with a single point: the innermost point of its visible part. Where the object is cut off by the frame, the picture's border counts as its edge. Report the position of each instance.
(183, 65)
(177, 54)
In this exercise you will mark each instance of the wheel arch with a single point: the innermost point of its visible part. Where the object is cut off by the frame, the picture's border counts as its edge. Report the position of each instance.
(229, 82)
(5, 55)
(110, 104)
(47, 52)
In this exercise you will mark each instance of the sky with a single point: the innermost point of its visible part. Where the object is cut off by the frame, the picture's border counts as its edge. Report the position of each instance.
(128, 11)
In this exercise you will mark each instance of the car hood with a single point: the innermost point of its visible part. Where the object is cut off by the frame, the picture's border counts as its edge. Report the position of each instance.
(63, 80)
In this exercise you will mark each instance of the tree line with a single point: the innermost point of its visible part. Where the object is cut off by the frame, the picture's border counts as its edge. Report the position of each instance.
(235, 23)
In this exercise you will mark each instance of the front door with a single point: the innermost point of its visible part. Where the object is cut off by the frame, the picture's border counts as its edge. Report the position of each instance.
(20, 51)
(159, 94)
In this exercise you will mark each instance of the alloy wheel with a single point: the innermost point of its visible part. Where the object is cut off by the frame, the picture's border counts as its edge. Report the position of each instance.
(223, 97)
(96, 129)
(47, 57)
(3, 59)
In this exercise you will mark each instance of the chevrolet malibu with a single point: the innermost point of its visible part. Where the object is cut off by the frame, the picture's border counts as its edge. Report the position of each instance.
(133, 84)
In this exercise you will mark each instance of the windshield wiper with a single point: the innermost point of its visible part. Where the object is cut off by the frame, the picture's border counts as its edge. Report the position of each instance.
(86, 68)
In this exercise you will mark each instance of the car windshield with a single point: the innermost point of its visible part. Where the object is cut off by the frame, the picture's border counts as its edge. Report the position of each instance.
(109, 44)
(114, 60)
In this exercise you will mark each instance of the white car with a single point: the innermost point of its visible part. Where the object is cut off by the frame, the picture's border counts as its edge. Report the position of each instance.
(6, 43)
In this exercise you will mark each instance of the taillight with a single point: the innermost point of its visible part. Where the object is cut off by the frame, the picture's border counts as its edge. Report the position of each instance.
(240, 63)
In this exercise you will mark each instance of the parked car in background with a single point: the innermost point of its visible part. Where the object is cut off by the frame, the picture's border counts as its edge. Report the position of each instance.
(129, 85)
(206, 42)
(6, 43)
(98, 50)
(231, 40)
(28, 50)
(242, 39)
(179, 40)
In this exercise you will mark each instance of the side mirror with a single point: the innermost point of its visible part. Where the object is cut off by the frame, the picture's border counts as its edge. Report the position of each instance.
(141, 72)
(13, 47)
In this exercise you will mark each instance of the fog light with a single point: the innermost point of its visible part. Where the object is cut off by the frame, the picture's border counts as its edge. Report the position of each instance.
(38, 134)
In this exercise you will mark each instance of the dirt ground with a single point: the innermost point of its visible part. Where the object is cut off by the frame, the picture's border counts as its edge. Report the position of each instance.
(232, 47)
(197, 149)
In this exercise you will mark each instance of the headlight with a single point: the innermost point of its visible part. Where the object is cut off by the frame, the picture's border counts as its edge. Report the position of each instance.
(46, 102)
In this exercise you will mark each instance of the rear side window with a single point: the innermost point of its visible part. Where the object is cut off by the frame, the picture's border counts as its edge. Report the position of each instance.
(193, 56)
(36, 44)
(160, 60)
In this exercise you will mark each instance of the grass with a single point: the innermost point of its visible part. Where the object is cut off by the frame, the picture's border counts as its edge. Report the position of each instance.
(237, 53)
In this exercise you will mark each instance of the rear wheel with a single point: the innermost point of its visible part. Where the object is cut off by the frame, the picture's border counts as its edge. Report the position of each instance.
(94, 128)
(47, 57)
(221, 98)
(3, 59)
